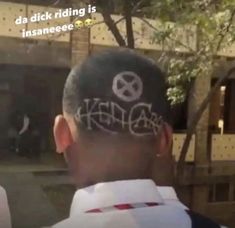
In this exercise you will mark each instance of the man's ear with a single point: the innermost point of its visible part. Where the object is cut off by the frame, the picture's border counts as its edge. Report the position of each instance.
(62, 134)
(165, 143)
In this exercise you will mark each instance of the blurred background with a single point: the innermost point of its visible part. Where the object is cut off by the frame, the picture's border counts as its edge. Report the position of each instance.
(193, 41)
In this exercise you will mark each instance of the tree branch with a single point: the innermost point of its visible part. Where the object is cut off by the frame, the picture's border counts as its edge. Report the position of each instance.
(196, 118)
(116, 22)
(137, 7)
(226, 31)
(111, 23)
(129, 26)
(170, 38)
(112, 26)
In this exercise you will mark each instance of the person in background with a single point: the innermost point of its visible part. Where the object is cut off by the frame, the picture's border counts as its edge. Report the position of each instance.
(113, 128)
(26, 123)
(25, 136)
(5, 217)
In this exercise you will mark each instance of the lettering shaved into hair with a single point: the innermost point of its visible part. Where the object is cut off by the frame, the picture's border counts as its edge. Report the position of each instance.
(107, 116)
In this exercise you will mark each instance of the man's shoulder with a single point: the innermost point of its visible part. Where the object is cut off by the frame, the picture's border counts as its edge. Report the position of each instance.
(201, 221)
(162, 216)
(167, 216)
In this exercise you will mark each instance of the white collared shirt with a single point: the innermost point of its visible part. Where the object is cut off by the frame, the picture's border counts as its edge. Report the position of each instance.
(5, 218)
(169, 213)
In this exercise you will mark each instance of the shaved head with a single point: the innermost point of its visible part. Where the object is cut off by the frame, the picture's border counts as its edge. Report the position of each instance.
(115, 116)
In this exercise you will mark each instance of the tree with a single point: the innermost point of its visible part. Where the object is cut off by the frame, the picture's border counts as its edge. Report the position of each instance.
(214, 21)
(214, 25)
(128, 9)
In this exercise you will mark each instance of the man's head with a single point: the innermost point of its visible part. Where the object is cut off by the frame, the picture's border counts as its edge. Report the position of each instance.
(114, 118)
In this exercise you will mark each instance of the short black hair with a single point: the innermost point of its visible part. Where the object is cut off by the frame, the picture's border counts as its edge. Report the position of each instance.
(117, 91)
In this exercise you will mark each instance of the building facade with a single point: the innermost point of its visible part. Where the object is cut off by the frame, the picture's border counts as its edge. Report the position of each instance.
(33, 71)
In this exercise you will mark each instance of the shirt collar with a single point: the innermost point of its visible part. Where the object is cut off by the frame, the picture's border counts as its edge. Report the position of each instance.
(119, 192)
(167, 193)
(169, 196)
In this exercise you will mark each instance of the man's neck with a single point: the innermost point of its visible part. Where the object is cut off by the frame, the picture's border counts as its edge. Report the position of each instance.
(80, 185)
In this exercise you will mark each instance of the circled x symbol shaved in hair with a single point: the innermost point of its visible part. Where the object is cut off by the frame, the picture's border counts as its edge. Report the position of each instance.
(127, 86)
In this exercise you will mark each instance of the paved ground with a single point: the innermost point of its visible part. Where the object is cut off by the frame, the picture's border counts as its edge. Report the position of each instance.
(25, 181)
(29, 205)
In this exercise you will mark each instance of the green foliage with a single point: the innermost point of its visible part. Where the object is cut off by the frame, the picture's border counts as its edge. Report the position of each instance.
(214, 27)
(208, 27)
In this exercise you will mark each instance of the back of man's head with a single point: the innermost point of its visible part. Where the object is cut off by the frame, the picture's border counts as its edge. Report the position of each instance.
(115, 103)
(117, 92)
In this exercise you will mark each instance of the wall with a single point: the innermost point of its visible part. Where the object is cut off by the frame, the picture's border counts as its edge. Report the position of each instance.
(35, 90)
